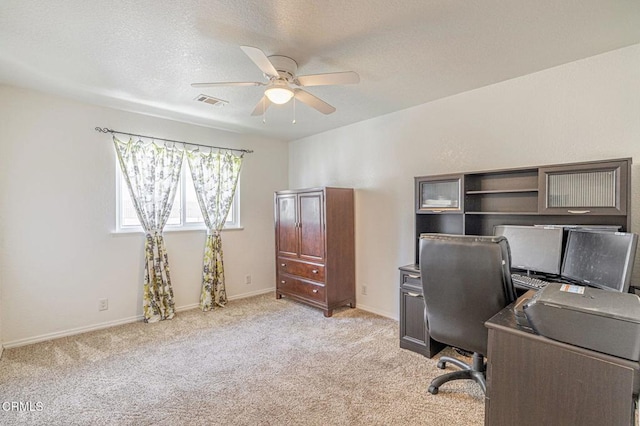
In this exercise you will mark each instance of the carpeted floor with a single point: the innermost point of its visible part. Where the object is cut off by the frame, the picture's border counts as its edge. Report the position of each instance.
(258, 361)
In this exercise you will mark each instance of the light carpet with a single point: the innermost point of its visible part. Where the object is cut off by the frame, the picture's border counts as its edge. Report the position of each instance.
(258, 361)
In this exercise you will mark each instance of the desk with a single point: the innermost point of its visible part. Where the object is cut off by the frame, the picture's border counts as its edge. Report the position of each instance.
(533, 380)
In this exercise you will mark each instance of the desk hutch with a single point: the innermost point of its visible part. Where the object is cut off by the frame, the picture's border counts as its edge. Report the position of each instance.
(589, 193)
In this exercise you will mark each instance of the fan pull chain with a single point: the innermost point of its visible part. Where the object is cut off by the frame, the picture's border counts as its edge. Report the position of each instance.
(264, 111)
(294, 111)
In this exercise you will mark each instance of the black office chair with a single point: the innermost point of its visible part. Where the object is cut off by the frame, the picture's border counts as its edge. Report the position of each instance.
(465, 280)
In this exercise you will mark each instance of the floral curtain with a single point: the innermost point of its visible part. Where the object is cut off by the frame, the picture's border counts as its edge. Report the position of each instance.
(215, 177)
(152, 173)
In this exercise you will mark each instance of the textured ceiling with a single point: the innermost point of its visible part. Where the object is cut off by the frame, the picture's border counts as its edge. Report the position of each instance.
(142, 55)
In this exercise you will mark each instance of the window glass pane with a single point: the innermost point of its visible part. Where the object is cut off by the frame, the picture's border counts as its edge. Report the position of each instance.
(174, 217)
(192, 208)
(230, 216)
(129, 215)
(189, 214)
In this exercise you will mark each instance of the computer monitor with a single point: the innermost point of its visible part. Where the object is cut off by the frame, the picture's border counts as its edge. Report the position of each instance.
(533, 248)
(600, 259)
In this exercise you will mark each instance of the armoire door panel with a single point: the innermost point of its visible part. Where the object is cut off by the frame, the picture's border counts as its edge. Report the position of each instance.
(287, 237)
(311, 225)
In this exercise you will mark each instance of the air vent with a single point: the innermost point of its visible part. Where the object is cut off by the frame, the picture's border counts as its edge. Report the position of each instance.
(211, 101)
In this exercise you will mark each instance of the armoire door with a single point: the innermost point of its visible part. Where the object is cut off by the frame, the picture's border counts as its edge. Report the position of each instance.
(286, 229)
(311, 223)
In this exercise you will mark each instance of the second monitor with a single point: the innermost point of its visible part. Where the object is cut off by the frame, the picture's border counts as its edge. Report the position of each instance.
(600, 259)
(534, 248)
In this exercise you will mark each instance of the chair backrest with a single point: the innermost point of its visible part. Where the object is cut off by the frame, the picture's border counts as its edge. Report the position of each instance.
(466, 280)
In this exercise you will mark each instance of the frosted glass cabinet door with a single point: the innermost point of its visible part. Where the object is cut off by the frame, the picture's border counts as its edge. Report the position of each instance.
(439, 195)
(587, 189)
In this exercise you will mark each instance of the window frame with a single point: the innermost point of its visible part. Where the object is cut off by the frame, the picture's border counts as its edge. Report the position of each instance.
(233, 220)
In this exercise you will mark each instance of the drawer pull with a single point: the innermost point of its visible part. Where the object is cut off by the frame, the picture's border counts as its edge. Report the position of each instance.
(283, 282)
(315, 290)
(314, 271)
(437, 211)
(579, 211)
(415, 277)
(413, 294)
(284, 265)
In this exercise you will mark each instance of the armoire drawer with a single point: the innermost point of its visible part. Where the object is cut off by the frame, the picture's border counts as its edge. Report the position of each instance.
(302, 269)
(301, 288)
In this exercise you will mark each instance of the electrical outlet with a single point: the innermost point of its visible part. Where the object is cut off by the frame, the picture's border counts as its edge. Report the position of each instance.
(247, 279)
(103, 304)
(364, 289)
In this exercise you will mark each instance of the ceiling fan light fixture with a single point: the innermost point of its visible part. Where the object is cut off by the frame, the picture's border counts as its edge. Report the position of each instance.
(279, 93)
(281, 71)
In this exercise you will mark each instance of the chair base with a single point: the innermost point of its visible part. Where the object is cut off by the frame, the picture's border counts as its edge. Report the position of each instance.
(475, 372)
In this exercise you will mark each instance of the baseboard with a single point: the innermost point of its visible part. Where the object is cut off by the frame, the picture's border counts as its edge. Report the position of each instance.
(252, 293)
(70, 332)
(109, 324)
(184, 308)
(385, 314)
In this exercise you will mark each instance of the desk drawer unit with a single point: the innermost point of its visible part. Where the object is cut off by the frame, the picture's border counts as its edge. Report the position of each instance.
(414, 334)
(408, 279)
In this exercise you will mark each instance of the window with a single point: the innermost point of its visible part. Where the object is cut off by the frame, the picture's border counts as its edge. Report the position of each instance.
(185, 213)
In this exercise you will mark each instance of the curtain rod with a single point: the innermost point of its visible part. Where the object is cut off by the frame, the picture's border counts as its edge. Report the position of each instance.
(107, 130)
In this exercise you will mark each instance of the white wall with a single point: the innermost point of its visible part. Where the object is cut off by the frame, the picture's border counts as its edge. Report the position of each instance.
(585, 110)
(1, 346)
(58, 255)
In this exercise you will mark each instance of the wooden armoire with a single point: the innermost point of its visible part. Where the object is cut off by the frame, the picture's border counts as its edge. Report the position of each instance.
(315, 247)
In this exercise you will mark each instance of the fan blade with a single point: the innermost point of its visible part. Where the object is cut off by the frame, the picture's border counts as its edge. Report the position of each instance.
(260, 59)
(347, 77)
(262, 106)
(229, 83)
(313, 102)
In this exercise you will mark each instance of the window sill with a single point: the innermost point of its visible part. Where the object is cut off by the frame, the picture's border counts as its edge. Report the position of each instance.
(139, 231)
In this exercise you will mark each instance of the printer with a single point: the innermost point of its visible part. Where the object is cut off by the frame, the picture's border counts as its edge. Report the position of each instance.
(600, 320)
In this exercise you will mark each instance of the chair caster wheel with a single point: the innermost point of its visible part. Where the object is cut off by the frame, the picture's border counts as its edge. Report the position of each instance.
(441, 365)
(433, 390)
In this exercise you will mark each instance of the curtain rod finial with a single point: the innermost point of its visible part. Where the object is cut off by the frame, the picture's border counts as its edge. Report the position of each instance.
(103, 130)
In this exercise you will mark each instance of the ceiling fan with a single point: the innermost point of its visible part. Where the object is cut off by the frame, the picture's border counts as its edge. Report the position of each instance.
(283, 84)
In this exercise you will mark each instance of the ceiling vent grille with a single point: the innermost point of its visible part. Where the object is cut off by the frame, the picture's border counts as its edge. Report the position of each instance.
(211, 101)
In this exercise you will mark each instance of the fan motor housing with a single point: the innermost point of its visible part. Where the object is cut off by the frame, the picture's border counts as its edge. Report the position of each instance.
(285, 66)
